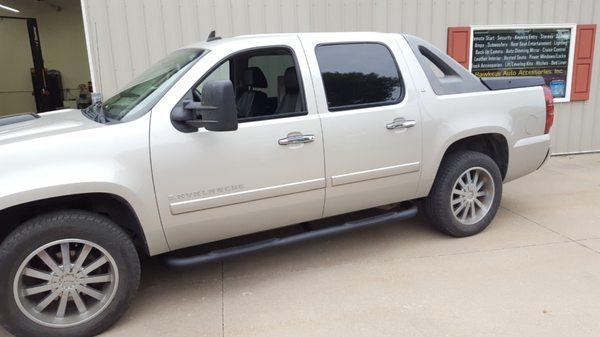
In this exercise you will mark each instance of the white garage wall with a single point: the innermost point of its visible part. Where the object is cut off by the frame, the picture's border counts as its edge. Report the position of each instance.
(126, 36)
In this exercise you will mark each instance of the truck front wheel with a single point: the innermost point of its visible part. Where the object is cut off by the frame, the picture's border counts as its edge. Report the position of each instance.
(68, 273)
(466, 194)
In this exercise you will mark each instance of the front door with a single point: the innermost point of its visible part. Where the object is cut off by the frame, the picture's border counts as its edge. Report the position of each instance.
(371, 121)
(268, 173)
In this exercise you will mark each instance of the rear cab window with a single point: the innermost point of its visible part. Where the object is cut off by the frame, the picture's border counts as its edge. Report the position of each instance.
(359, 75)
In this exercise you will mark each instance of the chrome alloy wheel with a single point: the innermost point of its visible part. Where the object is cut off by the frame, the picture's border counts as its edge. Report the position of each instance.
(65, 283)
(472, 195)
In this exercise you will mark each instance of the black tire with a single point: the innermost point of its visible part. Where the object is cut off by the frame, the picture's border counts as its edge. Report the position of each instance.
(61, 225)
(437, 207)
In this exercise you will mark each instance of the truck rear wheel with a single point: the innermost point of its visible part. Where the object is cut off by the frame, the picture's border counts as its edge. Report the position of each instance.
(466, 194)
(68, 273)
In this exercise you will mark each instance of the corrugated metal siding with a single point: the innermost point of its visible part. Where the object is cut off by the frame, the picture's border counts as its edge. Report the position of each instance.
(126, 36)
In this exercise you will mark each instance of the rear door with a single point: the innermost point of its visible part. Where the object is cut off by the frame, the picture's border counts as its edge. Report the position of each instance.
(370, 118)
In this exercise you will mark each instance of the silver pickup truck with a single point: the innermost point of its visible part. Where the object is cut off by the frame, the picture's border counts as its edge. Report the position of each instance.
(230, 137)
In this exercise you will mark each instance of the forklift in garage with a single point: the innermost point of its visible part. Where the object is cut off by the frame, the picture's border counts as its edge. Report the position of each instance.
(47, 84)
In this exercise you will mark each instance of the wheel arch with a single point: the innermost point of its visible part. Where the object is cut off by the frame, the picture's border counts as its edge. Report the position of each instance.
(495, 145)
(495, 142)
(113, 206)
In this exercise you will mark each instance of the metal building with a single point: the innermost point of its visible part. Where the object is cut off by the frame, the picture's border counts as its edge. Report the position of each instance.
(126, 36)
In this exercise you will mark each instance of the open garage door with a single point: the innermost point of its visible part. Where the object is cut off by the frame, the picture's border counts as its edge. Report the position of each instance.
(36, 77)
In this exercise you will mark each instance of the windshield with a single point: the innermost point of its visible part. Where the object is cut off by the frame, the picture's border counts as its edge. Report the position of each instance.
(148, 87)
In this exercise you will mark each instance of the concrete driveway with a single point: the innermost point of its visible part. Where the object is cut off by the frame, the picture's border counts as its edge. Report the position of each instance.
(534, 272)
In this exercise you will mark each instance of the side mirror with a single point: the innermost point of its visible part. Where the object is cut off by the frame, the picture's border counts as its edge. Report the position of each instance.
(217, 112)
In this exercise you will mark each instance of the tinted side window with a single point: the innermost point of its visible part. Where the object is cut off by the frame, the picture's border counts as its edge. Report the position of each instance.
(359, 75)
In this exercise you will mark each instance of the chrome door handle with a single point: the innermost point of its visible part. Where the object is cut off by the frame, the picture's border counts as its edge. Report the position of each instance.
(401, 123)
(296, 139)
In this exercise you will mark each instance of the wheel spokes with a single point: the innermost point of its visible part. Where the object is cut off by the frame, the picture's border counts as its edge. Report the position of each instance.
(47, 300)
(460, 192)
(37, 289)
(95, 265)
(85, 251)
(78, 301)
(462, 184)
(472, 195)
(479, 204)
(49, 261)
(98, 279)
(65, 251)
(58, 278)
(458, 200)
(38, 274)
(62, 305)
(91, 292)
(462, 205)
(467, 207)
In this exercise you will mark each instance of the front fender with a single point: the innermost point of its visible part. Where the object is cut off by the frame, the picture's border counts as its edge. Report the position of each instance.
(112, 159)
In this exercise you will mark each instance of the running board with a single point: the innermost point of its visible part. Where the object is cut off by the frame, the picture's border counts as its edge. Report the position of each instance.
(190, 261)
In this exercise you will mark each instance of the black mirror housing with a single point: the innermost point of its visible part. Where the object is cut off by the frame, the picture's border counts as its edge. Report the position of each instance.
(217, 112)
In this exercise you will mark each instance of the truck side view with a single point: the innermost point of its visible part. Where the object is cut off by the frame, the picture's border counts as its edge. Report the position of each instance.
(242, 135)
